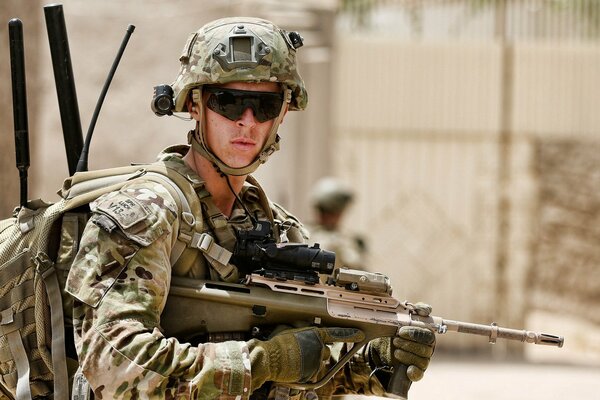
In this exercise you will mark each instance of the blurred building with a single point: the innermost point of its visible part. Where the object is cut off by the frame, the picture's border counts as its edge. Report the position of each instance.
(471, 128)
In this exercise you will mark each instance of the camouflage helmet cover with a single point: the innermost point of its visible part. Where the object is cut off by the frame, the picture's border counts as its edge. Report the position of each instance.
(331, 195)
(239, 49)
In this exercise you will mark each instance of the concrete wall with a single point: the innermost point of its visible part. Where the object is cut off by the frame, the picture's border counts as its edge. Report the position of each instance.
(418, 130)
(565, 278)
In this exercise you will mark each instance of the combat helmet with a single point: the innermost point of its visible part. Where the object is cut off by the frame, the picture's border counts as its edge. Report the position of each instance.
(331, 195)
(239, 49)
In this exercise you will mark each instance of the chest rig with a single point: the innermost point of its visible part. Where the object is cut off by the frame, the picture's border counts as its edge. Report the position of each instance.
(206, 238)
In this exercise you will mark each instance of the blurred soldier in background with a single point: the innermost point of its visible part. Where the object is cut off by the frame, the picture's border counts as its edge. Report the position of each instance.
(238, 79)
(330, 199)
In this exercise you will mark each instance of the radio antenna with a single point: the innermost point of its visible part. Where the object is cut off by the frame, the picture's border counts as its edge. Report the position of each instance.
(82, 165)
(19, 93)
(65, 83)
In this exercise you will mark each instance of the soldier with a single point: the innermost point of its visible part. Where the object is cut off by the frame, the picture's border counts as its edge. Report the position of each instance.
(330, 199)
(237, 81)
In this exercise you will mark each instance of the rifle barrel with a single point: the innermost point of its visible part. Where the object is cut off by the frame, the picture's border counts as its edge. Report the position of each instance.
(494, 332)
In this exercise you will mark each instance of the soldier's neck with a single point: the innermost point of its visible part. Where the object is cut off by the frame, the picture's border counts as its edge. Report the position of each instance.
(215, 183)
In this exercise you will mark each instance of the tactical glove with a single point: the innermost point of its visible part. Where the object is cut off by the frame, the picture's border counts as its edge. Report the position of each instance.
(412, 347)
(295, 355)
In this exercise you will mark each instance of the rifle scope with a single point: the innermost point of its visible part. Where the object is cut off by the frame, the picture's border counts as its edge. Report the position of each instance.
(257, 252)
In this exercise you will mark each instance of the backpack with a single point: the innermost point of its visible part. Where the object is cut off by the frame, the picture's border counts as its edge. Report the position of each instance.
(37, 246)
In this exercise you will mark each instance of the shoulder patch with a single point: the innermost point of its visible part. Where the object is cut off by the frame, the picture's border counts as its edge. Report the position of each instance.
(141, 210)
(123, 209)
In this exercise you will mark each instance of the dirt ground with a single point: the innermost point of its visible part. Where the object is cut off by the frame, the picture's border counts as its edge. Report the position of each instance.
(548, 373)
(449, 379)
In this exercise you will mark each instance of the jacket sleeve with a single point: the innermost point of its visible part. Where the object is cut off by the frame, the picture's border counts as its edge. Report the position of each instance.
(356, 377)
(120, 280)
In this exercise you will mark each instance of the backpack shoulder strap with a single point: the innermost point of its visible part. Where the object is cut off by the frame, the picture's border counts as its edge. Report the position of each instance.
(191, 230)
(187, 202)
(84, 187)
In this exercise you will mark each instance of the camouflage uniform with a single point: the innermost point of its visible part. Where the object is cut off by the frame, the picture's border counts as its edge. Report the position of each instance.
(347, 247)
(120, 280)
(330, 198)
(121, 276)
(355, 378)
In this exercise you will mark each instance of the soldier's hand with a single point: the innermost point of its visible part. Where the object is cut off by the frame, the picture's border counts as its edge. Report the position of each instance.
(412, 347)
(295, 355)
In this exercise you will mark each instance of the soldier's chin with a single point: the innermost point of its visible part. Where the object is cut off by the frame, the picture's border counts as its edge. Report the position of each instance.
(237, 165)
(241, 161)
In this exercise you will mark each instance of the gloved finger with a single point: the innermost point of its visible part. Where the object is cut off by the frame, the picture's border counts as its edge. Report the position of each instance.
(415, 334)
(408, 358)
(423, 309)
(312, 351)
(279, 329)
(418, 349)
(345, 335)
(414, 373)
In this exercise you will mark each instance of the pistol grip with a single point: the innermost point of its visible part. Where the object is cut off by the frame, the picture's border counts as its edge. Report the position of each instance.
(399, 383)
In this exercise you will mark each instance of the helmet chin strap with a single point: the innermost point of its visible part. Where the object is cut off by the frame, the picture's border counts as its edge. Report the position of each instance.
(270, 146)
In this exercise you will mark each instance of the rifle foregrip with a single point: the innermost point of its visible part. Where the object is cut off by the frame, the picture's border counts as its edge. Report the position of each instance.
(399, 383)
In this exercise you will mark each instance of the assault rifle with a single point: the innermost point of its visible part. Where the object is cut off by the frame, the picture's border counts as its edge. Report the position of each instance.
(218, 311)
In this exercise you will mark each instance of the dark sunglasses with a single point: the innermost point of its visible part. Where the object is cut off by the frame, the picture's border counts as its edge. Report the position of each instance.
(231, 103)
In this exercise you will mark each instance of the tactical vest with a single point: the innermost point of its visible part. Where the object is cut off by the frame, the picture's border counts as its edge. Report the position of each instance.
(223, 230)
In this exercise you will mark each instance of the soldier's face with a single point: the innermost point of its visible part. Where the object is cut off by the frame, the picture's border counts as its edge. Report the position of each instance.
(238, 141)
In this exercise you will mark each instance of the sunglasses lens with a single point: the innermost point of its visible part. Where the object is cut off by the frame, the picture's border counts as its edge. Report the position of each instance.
(231, 103)
(269, 107)
(225, 104)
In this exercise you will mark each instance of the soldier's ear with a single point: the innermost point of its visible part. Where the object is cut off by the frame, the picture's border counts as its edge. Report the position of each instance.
(192, 108)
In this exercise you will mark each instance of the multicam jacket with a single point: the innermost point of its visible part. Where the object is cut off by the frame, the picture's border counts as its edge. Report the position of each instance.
(120, 280)
(348, 248)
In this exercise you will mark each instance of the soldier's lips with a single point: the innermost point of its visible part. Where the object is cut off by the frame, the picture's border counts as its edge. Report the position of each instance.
(243, 143)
